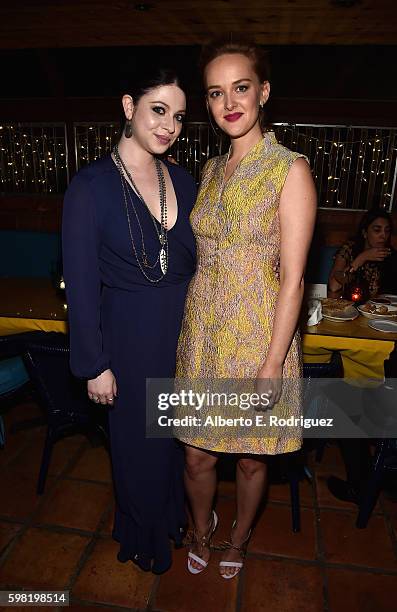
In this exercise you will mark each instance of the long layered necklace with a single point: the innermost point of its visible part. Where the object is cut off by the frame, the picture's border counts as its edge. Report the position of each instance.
(162, 256)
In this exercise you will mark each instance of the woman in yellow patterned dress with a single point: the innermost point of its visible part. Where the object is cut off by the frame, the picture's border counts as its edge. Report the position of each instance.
(253, 222)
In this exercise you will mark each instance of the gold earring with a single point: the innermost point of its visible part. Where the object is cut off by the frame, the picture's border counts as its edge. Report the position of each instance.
(128, 129)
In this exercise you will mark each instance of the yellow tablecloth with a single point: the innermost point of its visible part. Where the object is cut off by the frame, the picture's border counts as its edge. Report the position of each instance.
(31, 304)
(362, 358)
(18, 325)
(40, 307)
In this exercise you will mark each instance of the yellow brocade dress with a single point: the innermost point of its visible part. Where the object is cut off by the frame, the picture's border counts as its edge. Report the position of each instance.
(231, 300)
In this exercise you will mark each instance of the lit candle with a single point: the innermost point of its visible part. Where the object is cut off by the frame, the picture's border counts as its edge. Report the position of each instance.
(357, 294)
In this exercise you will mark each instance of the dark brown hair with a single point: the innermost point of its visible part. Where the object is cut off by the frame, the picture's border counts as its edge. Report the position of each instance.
(369, 217)
(144, 80)
(141, 83)
(257, 55)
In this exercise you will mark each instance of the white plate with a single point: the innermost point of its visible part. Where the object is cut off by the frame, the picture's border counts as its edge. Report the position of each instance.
(392, 314)
(378, 301)
(390, 296)
(349, 315)
(384, 326)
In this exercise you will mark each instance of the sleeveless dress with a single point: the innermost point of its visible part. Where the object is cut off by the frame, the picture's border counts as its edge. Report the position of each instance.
(230, 306)
(119, 320)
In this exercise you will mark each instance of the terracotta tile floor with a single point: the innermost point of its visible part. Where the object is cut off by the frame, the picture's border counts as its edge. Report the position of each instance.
(62, 541)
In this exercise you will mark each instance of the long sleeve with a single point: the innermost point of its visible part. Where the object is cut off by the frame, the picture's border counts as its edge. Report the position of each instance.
(81, 246)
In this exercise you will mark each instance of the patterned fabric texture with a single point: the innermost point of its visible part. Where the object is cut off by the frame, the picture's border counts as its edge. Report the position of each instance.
(231, 301)
(370, 271)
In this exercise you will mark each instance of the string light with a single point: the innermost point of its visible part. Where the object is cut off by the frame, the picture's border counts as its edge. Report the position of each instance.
(33, 158)
(348, 173)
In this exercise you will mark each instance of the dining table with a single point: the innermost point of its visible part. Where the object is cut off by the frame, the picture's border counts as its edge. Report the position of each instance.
(363, 349)
(30, 304)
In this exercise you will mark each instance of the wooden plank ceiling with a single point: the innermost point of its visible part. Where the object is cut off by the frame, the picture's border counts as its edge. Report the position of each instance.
(93, 23)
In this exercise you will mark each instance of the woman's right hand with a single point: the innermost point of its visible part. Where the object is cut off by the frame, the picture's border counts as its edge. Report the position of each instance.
(103, 388)
(372, 254)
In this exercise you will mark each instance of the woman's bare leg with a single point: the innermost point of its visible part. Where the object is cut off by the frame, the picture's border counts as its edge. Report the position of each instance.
(251, 481)
(200, 483)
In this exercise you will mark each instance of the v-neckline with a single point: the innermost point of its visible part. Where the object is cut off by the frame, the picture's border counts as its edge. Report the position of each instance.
(238, 165)
(143, 204)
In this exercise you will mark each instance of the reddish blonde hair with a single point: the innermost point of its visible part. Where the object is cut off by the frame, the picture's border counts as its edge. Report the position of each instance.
(257, 56)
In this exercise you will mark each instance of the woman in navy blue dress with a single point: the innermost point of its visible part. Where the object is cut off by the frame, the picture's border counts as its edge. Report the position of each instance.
(129, 255)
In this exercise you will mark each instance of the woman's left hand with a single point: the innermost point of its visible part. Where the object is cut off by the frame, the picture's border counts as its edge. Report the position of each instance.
(269, 382)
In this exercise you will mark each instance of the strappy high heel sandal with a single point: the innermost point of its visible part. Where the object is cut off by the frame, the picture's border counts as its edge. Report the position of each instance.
(242, 549)
(202, 542)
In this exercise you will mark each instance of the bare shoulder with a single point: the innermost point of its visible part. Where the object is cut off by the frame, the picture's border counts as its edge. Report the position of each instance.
(299, 170)
(299, 191)
(299, 180)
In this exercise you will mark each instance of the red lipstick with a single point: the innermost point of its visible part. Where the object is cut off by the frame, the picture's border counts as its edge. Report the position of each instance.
(233, 117)
(164, 140)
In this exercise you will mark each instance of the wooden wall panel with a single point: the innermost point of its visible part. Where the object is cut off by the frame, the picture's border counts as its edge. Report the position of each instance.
(31, 213)
(334, 227)
(41, 214)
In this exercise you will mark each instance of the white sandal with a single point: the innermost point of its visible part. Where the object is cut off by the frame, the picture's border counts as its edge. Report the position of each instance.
(204, 542)
(242, 549)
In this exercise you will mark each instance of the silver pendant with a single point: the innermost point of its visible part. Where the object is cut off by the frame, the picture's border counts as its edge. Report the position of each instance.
(163, 261)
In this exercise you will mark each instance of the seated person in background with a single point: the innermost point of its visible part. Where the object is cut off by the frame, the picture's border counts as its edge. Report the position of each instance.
(373, 261)
(367, 256)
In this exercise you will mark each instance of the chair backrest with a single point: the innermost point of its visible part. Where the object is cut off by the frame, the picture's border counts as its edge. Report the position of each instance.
(13, 345)
(315, 402)
(64, 397)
